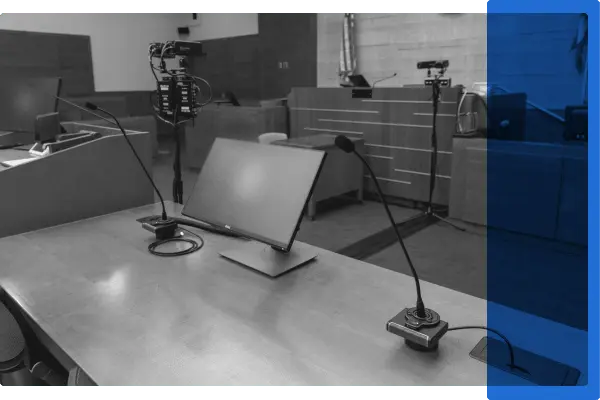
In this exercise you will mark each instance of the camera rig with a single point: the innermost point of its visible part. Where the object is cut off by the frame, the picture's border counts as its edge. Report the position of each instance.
(178, 94)
(177, 90)
(441, 66)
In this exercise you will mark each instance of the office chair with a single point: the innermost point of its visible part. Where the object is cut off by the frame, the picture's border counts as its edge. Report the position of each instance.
(13, 351)
(270, 137)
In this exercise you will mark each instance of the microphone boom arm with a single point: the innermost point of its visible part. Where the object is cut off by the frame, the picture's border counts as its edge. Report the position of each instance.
(420, 304)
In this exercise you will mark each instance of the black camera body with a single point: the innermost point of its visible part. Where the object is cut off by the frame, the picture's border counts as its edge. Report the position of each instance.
(176, 94)
(439, 64)
(176, 89)
(176, 48)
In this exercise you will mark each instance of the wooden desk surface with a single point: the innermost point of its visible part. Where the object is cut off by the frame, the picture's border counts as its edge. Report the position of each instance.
(130, 318)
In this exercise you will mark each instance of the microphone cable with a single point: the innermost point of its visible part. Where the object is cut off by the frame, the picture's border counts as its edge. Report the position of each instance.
(512, 364)
(194, 246)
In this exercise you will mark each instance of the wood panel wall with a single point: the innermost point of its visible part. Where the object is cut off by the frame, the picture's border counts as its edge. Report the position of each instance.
(290, 39)
(231, 64)
(265, 66)
(32, 54)
(396, 125)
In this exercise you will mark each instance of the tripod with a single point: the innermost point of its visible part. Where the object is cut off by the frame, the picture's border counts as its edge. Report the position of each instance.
(429, 211)
(177, 182)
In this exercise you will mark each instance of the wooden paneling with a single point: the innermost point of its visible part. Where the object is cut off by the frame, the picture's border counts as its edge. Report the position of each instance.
(249, 66)
(31, 54)
(396, 125)
(95, 178)
(572, 225)
(230, 64)
(240, 123)
(531, 188)
(289, 39)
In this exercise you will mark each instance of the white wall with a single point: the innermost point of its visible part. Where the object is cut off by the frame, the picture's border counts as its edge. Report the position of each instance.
(119, 42)
(217, 26)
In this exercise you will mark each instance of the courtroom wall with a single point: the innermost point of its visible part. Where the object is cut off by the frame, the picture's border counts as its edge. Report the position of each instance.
(388, 43)
(119, 42)
(219, 26)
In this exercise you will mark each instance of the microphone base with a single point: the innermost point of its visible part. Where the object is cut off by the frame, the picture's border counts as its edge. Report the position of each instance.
(162, 229)
(424, 349)
(420, 334)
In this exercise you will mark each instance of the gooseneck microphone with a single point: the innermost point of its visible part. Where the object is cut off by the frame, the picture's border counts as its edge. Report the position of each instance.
(384, 79)
(348, 146)
(419, 326)
(93, 107)
(165, 229)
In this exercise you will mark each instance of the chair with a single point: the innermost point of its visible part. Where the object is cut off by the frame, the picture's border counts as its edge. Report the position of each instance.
(270, 137)
(16, 358)
(13, 369)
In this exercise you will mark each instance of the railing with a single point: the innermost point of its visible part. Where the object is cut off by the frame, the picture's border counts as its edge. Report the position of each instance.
(536, 106)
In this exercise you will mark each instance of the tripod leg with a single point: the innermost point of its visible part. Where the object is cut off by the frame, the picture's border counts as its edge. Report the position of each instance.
(449, 223)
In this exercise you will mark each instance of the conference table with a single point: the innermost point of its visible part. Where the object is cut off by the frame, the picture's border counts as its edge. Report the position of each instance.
(102, 302)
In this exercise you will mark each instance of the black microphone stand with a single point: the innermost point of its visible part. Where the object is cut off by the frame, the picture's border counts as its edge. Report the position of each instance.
(429, 211)
(177, 180)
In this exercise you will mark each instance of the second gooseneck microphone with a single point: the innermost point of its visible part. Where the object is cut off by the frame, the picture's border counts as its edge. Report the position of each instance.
(419, 326)
(348, 146)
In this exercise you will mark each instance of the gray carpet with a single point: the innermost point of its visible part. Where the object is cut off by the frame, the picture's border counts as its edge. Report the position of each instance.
(458, 260)
(444, 256)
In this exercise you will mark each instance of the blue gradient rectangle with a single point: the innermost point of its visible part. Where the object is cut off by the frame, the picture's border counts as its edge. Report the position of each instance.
(542, 192)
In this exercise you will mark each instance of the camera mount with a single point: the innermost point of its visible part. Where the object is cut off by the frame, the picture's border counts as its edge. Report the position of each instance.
(178, 93)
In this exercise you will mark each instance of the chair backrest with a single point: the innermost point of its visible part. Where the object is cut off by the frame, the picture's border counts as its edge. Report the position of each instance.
(12, 343)
(270, 137)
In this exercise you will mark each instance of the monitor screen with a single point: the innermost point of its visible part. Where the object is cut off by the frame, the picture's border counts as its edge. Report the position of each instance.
(23, 99)
(256, 190)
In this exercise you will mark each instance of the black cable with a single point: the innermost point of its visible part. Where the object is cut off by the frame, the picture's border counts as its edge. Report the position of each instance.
(512, 364)
(210, 93)
(194, 245)
(436, 91)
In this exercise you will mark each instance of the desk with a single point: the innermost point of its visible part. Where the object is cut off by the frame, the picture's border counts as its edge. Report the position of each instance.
(396, 125)
(239, 123)
(341, 173)
(93, 178)
(129, 318)
(12, 154)
(554, 204)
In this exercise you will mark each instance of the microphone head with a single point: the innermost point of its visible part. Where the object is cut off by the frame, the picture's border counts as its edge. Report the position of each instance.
(344, 143)
(91, 106)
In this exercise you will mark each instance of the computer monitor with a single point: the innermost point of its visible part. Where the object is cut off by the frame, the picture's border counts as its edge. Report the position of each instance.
(258, 191)
(23, 99)
(47, 127)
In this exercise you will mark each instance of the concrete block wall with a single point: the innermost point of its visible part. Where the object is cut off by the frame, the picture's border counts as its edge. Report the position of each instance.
(389, 43)
(539, 63)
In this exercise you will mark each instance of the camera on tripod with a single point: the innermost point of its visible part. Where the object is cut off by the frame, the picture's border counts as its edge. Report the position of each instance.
(441, 66)
(177, 90)
(176, 48)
